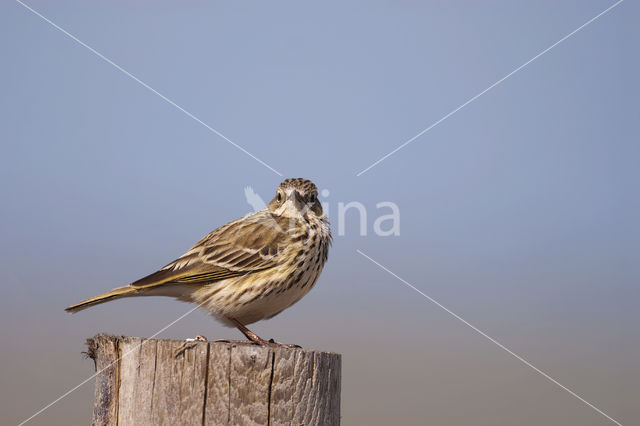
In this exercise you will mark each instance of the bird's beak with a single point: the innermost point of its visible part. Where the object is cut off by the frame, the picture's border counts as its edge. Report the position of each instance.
(296, 199)
(295, 202)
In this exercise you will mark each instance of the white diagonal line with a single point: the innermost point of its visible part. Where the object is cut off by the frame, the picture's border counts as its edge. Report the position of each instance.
(500, 345)
(128, 74)
(64, 395)
(490, 87)
(119, 358)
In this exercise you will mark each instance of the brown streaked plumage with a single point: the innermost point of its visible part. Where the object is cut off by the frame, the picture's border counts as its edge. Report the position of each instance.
(249, 269)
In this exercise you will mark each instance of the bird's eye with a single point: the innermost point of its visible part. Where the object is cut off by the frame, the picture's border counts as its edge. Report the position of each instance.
(312, 198)
(279, 196)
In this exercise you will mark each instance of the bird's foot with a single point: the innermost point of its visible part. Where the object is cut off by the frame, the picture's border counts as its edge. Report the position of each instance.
(286, 345)
(236, 342)
(189, 344)
(255, 339)
(198, 338)
(261, 342)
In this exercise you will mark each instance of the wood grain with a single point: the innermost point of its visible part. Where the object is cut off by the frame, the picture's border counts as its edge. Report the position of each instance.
(171, 382)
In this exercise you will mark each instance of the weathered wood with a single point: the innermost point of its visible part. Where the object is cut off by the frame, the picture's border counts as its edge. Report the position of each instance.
(170, 382)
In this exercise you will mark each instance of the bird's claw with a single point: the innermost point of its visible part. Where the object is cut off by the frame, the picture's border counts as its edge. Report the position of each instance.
(198, 338)
(269, 343)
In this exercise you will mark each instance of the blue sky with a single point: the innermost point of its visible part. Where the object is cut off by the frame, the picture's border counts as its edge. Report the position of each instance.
(519, 212)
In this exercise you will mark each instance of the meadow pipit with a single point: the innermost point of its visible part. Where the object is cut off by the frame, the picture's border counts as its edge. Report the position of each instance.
(250, 269)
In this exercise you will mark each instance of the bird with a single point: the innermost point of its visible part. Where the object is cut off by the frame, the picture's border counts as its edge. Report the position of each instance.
(250, 269)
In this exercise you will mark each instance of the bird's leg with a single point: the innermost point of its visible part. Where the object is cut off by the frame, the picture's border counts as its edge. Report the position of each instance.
(255, 339)
(250, 334)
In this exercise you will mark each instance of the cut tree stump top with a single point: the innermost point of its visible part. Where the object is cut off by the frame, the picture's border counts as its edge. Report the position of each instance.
(170, 382)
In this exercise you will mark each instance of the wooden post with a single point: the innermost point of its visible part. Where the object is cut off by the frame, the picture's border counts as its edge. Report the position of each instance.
(171, 382)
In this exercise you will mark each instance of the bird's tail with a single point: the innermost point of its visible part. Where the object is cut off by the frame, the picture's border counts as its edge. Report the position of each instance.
(116, 293)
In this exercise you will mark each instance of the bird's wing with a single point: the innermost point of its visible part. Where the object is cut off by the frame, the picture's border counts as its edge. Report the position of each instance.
(253, 243)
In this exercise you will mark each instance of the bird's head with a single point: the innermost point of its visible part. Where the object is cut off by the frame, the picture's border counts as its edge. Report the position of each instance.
(296, 198)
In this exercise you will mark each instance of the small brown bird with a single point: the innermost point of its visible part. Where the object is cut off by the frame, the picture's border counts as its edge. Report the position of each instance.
(250, 269)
